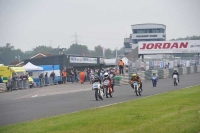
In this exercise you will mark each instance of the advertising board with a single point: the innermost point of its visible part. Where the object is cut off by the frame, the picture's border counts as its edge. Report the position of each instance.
(83, 60)
(162, 47)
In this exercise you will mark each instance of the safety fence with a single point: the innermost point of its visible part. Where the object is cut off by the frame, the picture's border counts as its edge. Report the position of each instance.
(167, 73)
(18, 84)
(161, 63)
(47, 81)
(2, 87)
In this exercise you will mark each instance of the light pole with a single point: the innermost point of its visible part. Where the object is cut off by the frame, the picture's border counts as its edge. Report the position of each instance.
(116, 52)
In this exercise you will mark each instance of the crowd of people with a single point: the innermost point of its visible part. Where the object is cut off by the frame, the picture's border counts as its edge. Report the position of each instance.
(72, 75)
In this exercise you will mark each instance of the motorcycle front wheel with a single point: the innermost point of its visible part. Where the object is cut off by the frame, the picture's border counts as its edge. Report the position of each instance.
(136, 91)
(96, 95)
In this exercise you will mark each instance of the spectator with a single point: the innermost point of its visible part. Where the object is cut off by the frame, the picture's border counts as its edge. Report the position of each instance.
(41, 79)
(9, 86)
(82, 76)
(46, 78)
(1, 80)
(76, 75)
(85, 75)
(64, 75)
(72, 75)
(52, 75)
(121, 67)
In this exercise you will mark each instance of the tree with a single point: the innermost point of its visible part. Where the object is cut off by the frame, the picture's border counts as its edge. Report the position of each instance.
(8, 54)
(78, 49)
(108, 53)
(98, 51)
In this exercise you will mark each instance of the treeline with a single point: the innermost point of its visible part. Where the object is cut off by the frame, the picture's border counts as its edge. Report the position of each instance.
(8, 53)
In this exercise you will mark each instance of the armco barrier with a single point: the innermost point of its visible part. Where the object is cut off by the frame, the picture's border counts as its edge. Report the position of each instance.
(184, 70)
(18, 84)
(167, 73)
(160, 73)
(191, 69)
(2, 87)
(180, 70)
(188, 70)
(198, 68)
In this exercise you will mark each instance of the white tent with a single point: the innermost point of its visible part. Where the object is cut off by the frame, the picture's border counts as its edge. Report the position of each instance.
(30, 67)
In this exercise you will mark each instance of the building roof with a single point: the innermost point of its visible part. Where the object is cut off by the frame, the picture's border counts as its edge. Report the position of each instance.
(42, 54)
(39, 55)
(148, 24)
(17, 63)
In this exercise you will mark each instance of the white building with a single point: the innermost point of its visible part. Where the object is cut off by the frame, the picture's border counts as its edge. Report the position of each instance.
(144, 32)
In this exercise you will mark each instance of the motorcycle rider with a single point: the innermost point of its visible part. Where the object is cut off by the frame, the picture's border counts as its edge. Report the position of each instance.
(154, 76)
(135, 77)
(107, 77)
(96, 80)
(175, 73)
(112, 75)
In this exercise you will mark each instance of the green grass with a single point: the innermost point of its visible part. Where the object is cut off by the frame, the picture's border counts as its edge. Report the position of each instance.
(173, 112)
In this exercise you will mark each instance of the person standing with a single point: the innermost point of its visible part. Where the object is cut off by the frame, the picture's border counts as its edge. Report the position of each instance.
(64, 75)
(82, 76)
(121, 67)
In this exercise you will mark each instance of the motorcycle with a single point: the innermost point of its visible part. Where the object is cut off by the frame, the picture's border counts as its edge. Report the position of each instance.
(154, 81)
(92, 78)
(107, 88)
(112, 82)
(175, 79)
(137, 89)
(98, 91)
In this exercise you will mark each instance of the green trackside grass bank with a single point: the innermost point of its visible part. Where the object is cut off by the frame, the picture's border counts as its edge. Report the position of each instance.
(173, 112)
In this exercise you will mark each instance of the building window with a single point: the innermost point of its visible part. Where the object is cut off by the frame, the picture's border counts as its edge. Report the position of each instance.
(127, 45)
(135, 31)
(135, 41)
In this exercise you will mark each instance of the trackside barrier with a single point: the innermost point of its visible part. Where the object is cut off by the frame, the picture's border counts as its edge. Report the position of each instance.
(166, 73)
(18, 84)
(46, 81)
(2, 87)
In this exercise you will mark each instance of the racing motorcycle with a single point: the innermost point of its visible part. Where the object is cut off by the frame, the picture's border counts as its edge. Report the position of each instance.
(175, 79)
(92, 76)
(112, 82)
(107, 88)
(137, 88)
(98, 91)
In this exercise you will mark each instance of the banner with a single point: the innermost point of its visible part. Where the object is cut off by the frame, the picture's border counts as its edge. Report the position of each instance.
(167, 47)
(83, 60)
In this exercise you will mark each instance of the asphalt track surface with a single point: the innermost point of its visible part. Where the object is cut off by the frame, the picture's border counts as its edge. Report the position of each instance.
(25, 105)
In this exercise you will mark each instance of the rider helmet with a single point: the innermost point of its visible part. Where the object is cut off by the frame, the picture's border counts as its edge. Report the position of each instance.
(154, 73)
(175, 71)
(134, 75)
(106, 75)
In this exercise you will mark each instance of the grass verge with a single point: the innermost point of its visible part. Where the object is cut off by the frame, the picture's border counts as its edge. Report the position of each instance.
(174, 112)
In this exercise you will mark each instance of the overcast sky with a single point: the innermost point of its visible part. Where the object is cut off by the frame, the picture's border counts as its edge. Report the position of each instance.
(30, 23)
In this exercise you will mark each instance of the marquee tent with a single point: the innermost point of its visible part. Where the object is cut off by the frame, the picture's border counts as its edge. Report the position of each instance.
(30, 67)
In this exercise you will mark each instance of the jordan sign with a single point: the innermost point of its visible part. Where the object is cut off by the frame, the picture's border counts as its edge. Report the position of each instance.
(167, 47)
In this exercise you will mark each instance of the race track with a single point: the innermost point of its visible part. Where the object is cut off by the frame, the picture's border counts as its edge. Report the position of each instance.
(25, 105)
